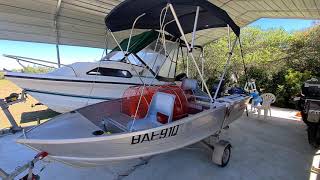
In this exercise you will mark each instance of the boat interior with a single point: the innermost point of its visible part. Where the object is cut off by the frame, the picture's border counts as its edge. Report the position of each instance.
(158, 105)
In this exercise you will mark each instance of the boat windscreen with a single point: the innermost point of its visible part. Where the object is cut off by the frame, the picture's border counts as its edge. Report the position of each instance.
(161, 58)
(120, 56)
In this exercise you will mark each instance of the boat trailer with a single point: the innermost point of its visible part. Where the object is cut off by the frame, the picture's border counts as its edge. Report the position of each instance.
(29, 166)
(14, 98)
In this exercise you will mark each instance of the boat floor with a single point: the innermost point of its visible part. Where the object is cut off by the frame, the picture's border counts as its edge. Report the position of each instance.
(275, 148)
(68, 126)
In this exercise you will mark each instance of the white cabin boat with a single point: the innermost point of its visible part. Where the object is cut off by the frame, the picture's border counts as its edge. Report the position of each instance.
(83, 83)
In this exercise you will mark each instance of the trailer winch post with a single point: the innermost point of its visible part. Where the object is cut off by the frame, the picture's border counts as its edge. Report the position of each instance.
(4, 105)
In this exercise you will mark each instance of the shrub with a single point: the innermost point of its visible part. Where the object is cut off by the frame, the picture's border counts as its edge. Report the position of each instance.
(285, 84)
(35, 69)
(291, 87)
(279, 61)
(261, 76)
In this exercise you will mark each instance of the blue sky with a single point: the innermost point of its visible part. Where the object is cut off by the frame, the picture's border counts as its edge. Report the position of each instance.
(68, 54)
(289, 25)
(71, 54)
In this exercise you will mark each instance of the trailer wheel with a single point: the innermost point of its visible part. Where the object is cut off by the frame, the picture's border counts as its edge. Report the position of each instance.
(221, 154)
(226, 156)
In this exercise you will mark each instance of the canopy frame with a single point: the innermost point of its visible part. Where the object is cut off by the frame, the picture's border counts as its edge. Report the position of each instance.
(56, 26)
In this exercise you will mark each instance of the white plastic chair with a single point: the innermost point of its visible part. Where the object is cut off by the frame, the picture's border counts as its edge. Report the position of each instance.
(267, 100)
(161, 103)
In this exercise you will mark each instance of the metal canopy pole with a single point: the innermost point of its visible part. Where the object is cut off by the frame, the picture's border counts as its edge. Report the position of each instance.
(56, 15)
(202, 65)
(124, 53)
(195, 27)
(134, 23)
(226, 66)
(188, 47)
(244, 64)
(187, 64)
(229, 38)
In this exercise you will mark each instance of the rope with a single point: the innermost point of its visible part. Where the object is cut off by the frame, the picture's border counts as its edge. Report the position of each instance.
(95, 77)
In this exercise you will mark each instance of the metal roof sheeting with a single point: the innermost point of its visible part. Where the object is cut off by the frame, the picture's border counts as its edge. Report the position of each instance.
(81, 22)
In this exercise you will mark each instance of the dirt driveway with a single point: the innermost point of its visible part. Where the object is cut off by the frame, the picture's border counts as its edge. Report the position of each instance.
(24, 113)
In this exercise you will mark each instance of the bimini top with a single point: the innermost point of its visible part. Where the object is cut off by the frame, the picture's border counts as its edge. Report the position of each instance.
(210, 16)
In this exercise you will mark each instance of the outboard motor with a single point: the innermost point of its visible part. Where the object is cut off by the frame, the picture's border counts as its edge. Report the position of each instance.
(309, 105)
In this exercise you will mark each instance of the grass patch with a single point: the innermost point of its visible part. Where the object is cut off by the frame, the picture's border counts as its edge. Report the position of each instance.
(1, 75)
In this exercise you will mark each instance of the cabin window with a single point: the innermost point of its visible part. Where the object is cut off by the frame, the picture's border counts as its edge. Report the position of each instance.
(100, 71)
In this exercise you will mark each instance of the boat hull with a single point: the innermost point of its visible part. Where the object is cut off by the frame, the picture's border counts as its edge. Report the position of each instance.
(94, 151)
(80, 152)
(63, 94)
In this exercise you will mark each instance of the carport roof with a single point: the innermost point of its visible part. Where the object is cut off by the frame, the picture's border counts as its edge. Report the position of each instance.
(81, 22)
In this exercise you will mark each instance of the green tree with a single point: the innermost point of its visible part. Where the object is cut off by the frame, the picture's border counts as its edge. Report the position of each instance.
(279, 61)
(35, 69)
(264, 51)
(304, 51)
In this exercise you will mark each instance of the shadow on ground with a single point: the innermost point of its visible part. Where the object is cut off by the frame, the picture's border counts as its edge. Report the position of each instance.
(34, 116)
(271, 148)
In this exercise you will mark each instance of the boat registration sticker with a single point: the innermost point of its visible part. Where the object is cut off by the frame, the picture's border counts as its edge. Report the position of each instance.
(147, 137)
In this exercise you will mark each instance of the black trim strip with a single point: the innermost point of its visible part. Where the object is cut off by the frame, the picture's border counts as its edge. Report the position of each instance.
(71, 80)
(68, 95)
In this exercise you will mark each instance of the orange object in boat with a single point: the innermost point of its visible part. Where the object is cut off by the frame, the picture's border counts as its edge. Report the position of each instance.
(298, 114)
(131, 99)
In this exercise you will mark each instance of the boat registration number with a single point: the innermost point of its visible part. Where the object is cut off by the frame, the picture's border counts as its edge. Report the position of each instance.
(147, 137)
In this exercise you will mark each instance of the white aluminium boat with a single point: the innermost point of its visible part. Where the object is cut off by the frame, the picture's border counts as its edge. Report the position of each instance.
(149, 119)
(80, 84)
(70, 138)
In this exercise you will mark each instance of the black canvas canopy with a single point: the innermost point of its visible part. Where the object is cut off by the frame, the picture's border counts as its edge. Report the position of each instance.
(210, 16)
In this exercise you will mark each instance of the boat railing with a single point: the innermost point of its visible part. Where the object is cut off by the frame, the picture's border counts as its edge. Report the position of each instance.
(37, 62)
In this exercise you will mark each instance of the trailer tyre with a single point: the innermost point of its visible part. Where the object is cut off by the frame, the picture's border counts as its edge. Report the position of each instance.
(221, 154)
(226, 156)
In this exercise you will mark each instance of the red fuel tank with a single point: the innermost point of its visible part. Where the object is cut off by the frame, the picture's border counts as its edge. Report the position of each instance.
(131, 98)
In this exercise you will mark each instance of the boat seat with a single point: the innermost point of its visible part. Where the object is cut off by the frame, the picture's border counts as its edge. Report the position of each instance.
(162, 103)
(190, 86)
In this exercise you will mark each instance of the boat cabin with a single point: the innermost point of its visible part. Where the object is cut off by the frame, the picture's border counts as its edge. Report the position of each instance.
(149, 56)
